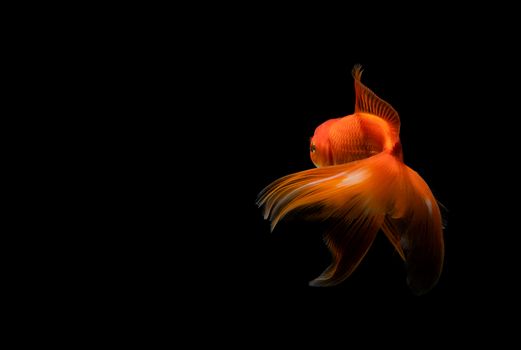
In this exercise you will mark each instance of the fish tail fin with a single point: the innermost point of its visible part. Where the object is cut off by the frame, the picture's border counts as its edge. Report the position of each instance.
(418, 222)
(358, 199)
(337, 194)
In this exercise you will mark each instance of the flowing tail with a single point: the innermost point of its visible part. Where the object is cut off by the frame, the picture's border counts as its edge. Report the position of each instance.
(358, 199)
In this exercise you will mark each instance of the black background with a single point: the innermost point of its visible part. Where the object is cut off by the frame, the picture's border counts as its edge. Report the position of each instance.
(255, 107)
(213, 118)
(165, 126)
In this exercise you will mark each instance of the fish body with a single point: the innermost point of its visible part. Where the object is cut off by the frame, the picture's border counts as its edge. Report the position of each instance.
(350, 138)
(362, 186)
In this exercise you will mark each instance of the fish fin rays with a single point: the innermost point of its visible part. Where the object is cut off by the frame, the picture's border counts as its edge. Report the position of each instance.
(393, 234)
(327, 190)
(366, 101)
(297, 191)
(444, 214)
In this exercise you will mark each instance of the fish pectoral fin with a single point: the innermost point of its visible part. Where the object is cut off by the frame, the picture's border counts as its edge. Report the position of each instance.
(348, 242)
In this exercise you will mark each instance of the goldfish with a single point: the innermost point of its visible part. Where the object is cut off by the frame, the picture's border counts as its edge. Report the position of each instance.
(361, 186)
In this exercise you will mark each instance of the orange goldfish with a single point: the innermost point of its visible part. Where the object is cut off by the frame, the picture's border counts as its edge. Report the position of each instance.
(361, 185)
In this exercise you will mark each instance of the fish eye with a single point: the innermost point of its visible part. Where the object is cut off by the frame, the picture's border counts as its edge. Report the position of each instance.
(312, 148)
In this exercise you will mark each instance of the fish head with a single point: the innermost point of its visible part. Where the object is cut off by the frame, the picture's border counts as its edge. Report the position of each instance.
(320, 146)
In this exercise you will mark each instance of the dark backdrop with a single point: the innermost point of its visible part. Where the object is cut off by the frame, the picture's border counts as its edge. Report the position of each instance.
(224, 114)
(258, 103)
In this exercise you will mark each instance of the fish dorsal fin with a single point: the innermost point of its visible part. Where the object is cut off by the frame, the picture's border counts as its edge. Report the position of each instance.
(366, 101)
